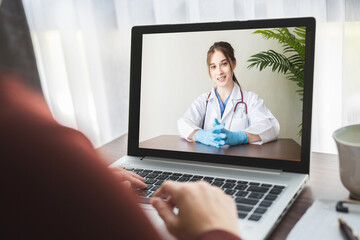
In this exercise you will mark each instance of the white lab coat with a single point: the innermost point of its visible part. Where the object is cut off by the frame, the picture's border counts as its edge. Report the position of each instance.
(259, 119)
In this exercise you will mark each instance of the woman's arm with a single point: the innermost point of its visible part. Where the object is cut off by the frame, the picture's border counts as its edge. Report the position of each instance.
(264, 126)
(191, 136)
(58, 184)
(253, 137)
(193, 118)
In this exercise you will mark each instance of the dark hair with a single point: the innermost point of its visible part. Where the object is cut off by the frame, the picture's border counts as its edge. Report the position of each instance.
(228, 51)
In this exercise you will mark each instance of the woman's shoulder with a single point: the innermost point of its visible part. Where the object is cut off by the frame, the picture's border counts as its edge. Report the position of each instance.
(201, 99)
(204, 96)
(252, 98)
(250, 94)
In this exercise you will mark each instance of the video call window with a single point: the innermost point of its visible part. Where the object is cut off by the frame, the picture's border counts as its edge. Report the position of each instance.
(186, 79)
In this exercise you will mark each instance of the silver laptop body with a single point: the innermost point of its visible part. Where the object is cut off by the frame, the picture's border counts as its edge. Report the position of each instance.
(288, 175)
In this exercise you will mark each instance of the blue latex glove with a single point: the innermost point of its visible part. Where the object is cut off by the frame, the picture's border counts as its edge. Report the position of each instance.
(232, 138)
(212, 137)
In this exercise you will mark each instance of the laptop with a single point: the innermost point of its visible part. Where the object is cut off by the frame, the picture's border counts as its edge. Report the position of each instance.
(169, 72)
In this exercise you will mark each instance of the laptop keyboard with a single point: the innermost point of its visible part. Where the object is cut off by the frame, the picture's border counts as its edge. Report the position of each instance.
(253, 199)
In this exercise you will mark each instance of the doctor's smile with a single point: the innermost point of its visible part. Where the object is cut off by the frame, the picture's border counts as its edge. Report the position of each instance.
(220, 69)
(215, 118)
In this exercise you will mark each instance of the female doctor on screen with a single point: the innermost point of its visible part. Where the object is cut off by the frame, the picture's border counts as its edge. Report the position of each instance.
(227, 115)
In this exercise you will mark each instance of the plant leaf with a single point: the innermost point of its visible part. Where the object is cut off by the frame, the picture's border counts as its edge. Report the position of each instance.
(291, 62)
(284, 36)
(277, 62)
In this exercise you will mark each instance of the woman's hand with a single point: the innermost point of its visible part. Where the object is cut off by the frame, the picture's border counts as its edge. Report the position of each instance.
(231, 138)
(212, 137)
(202, 208)
(129, 179)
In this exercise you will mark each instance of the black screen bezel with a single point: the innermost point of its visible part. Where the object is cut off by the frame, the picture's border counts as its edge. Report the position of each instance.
(135, 93)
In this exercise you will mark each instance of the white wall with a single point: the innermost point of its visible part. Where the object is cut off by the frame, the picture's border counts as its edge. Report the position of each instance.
(174, 73)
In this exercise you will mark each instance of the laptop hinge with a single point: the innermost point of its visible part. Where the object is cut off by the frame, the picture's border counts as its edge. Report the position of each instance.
(213, 165)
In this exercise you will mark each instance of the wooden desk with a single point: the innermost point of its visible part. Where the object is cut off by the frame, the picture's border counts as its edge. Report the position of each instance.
(324, 183)
(283, 148)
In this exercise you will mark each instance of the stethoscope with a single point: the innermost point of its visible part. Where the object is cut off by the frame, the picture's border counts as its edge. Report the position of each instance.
(232, 116)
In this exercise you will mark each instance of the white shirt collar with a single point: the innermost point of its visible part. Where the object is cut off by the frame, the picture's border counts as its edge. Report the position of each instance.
(235, 94)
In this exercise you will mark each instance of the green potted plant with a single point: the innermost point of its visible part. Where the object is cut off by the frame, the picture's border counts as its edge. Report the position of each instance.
(290, 62)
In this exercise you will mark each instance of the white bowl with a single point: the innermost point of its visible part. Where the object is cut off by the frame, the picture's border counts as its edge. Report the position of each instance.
(348, 144)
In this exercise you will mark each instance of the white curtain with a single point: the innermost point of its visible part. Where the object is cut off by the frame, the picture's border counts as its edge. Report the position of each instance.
(83, 54)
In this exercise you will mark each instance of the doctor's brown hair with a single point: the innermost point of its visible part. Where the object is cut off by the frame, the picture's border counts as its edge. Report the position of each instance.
(228, 51)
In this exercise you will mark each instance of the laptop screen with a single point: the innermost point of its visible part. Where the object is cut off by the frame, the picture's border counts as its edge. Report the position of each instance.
(233, 92)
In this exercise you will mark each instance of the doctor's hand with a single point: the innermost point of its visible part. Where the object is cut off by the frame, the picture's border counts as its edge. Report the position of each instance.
(202, 208)
(212, 137)
(129, 179)
(231, 138)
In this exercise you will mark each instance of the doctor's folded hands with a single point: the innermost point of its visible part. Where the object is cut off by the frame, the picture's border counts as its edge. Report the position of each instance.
(231, 138)
(212, 137)
(240, 116)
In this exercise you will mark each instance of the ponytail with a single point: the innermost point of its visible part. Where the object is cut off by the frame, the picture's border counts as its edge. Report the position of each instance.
(235, 80)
